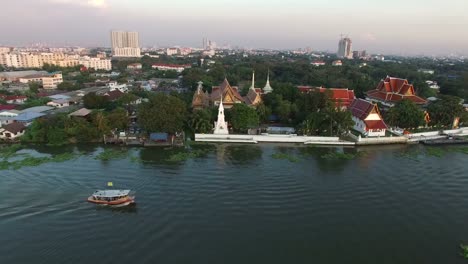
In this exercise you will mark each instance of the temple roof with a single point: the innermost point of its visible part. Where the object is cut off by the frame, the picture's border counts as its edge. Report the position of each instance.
(394, 90)
(361, 108)
(223, 89)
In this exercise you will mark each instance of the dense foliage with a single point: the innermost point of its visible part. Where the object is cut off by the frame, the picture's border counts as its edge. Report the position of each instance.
(162, 113)
(405, 114)
(243, 118)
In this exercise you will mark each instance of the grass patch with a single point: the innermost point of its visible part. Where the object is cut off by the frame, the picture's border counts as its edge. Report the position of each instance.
(285, 156)
(435, 152)
(9, 151)
(110, 154)
(186, 155)
(30, 161)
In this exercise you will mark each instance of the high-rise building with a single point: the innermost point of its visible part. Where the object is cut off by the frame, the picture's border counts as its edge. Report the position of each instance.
(345, 48)
(125, 44)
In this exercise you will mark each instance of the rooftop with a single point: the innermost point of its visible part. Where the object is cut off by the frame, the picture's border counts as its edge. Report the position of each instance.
(37, 109)
(28, 116)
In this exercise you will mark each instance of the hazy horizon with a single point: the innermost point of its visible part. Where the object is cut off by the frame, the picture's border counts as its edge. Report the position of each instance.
(405, 27)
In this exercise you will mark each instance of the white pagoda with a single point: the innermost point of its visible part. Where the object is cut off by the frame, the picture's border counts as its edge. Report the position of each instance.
(221, 126)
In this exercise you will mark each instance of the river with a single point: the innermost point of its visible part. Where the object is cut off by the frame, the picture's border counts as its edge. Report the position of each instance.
(240, 204)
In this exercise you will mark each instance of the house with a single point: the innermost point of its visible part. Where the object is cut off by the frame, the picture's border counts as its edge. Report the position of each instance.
(59, 97)
(83, 112)
(134, 66)
(433, 85)
(337, 63)
(27, 118)
(318, 63)
(392, 90)
(114, 95)
(14, 99)
(341, 97)
(7, 116)
(59, 103)
(115, 86)
(367, 118)
(170, 67)
(37, 109)
(12, 131)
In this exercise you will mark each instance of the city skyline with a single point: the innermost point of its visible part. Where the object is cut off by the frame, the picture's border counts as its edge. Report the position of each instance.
(405, 28)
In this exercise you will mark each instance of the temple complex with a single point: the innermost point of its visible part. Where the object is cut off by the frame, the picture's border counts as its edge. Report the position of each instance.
(229, 94)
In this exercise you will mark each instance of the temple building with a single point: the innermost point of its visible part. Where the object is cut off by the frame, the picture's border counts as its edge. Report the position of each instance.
(253, 97)
(341, 97)
(200, 99)
(367, 118)
(229, 94)
(392, 90)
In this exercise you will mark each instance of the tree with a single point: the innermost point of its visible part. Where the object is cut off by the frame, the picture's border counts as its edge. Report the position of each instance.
(118, 118)
(200, 121)
(34, 87)
(243, 117)
(67, 86)
(443, 111)
(94, 101)
(127, 99)
(101, 123)
(162, 113)
(405, 114)
(263, 113)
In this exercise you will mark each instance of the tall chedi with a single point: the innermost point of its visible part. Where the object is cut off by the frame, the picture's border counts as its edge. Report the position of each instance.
(221, 126)
(267, 89)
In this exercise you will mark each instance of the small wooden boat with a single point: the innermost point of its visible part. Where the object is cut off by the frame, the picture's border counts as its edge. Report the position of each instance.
(112, 197)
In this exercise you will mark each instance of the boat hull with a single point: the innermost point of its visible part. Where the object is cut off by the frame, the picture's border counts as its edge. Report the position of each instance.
(116, 203)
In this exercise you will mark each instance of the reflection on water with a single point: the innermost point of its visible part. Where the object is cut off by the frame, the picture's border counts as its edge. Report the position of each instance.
(240, 154)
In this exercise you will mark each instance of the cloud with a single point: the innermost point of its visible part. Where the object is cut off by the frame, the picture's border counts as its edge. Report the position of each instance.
(87, 3)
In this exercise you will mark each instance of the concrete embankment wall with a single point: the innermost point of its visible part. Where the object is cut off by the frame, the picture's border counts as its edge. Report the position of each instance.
(463, 131)
(265, 138)
(378, 140)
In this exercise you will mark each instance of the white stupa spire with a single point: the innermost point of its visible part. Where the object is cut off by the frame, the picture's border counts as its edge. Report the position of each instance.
(253, 81)
(200, 87)
(267, 89)
(221, 126)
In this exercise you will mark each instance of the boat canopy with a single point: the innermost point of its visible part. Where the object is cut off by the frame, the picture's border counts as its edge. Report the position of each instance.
(111, 193)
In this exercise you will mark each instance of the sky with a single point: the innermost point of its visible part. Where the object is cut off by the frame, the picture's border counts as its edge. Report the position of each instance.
(404, 27)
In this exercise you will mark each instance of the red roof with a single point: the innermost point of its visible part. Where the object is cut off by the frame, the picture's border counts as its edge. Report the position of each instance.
(361, 108)
(14, 97)
(7, 107)
(375, 124)
(394, 90)
(114, 95)
(341, 96)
